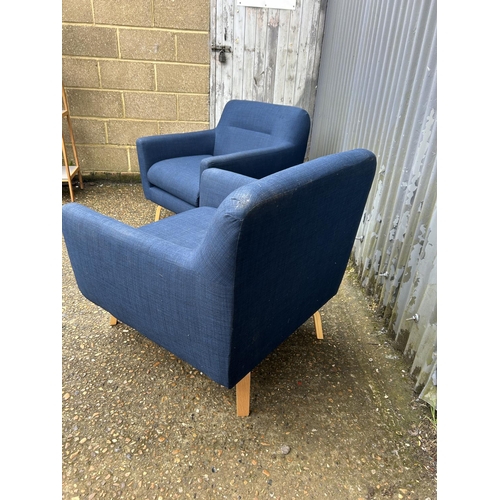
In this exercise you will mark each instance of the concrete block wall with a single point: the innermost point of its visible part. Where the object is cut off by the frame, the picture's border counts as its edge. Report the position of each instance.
(133, 68)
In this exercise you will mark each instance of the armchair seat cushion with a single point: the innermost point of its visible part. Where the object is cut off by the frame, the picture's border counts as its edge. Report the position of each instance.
(186, 230)
(179, 177)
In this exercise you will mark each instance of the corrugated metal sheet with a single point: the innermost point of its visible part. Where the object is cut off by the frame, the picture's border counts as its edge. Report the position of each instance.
(377, 90)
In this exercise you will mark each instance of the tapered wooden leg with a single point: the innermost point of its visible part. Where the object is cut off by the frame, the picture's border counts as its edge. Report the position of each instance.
(112, 320)
(158, 212)
(243, 397)
(317, 325)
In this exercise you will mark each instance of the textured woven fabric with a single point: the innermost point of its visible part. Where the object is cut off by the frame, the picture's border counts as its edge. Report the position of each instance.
(178, 176)
(216, 184)
(247, 125)
(222, 287)
(252, 138)
(186, 229)
(164, 199)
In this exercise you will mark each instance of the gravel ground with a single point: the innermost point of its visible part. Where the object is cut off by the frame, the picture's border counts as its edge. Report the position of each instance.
(335, 419)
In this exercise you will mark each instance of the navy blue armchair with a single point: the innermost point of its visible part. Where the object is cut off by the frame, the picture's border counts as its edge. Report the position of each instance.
(252, 138)
(223, 285)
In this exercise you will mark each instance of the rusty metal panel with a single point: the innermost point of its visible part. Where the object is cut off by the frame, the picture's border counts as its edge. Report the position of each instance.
(377, 90)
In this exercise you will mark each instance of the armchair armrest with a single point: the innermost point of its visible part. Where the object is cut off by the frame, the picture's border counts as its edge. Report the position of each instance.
(151, 149)
(153, 285)
(259, 162)
(217, 184)
(142, 265)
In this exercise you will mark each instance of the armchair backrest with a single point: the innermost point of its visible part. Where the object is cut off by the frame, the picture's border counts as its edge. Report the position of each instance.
(246, 125)
(286, 240)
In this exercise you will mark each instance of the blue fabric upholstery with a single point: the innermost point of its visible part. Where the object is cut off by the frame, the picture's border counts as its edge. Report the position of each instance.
(222, 287)
(217, 184)
(252, 138)
(178, 176)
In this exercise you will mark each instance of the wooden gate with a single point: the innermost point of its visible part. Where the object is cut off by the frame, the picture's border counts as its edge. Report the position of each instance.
(265, 51)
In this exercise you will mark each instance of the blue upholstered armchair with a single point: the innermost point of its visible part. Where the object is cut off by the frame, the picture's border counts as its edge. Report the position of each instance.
(252, 138)
(223, 285)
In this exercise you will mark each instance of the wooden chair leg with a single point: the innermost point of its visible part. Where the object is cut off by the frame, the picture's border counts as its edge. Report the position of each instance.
(112, 320)
(158, 212)
(317, 325)
(243, 397)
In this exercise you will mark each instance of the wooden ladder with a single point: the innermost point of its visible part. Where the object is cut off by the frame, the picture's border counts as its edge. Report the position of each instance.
(69, 171)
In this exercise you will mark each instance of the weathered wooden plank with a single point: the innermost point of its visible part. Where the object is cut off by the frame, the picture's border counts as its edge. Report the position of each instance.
(238, 47)
(249, 52)
(280, 67)
(292, 55)
(259, 67)
(272, 34)
(226, 68)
